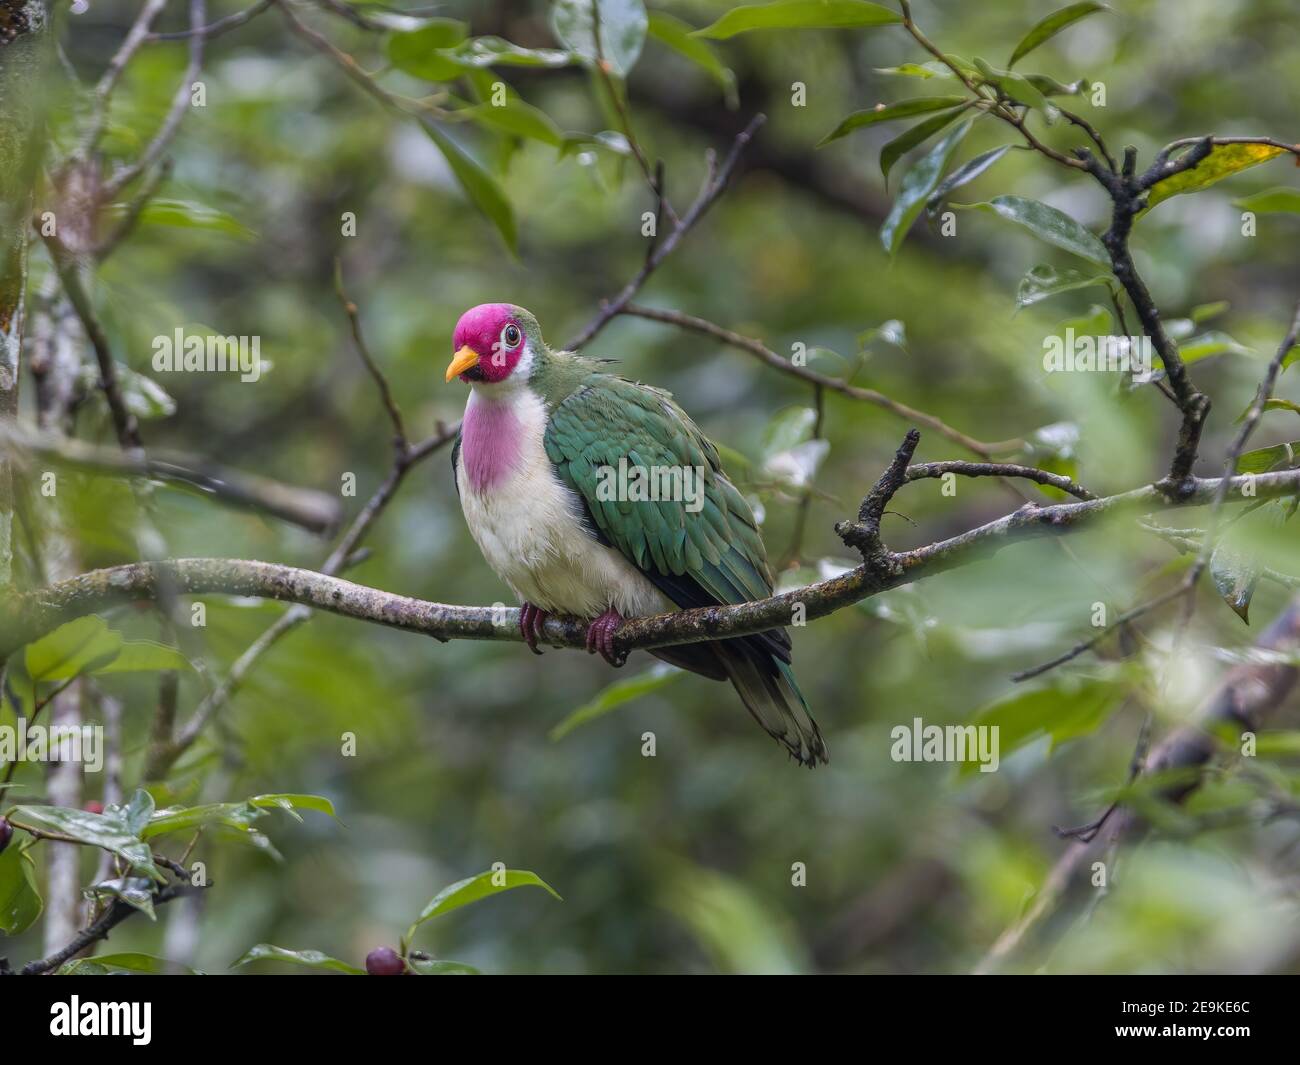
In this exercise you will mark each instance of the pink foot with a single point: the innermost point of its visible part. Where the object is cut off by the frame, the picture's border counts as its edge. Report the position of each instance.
(531, 619)
(600, 637)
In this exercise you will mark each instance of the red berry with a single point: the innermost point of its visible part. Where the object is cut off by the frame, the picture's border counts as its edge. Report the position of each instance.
(94, 807)
(384, 961)
(6, 833)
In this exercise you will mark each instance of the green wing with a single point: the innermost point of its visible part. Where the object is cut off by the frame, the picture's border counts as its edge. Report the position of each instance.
(697, 555)
(713, 543)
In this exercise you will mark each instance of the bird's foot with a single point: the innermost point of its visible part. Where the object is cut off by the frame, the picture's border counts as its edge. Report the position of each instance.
(531, 619)
(600, 637)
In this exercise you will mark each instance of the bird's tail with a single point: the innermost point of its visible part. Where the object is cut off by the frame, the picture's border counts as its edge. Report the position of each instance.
(767, 687)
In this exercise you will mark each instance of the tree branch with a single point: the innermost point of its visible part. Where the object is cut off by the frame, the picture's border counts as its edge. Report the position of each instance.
(866, 395)
(714, 185)
(31, 615)
(317, 512)
(1241, 701)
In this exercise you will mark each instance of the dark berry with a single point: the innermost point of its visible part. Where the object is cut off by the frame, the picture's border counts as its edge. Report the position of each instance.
(384, 961)
(6, 833)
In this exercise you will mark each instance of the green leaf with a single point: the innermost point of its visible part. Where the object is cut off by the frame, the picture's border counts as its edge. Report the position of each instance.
(109, 831)
(1235, 576)
(906, 141)
(145, 656)
(916, 187)
(1064, 711)
(676, 34)
(20, 901)
(80, 646)
(519, 119)
(481, 188)
(135, 891)
(185, 214)
(1223, 161)
(239, 816)
(438, 967)
(127, 962)
(473, 888)
(965, 174)
(1263, 459)
(615, 695)
(1051, 26)
(1019, 89)
(313, 959)
(1273, 404)
(144, 397)
(1043, 281)
(1280, 200)
(413, 55)
(1048, 224)
(917, 70)
(1235, 565)
(135, 812)
(890, 112)
(800, 15)
(89, 646)
(1049, 86)
(1205, 311)
(623, 26)
(1209, 344)
(291, 802)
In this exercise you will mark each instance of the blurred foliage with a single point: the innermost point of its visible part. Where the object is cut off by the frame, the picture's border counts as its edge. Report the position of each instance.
(470, 754)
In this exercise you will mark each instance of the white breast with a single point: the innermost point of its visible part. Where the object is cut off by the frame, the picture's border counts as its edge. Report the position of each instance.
(528, 526)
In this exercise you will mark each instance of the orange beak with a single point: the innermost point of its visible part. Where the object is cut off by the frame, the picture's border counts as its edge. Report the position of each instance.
(465, 359)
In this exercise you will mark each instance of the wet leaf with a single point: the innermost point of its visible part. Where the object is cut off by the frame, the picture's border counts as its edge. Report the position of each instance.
(917, 185)
(676, 34)
(313, 959)
(1051, 26)
(480, 186)
(1223, 161)
(473, 888)
(890, 113)
(620, 693)
(800, 15)
(1043, 281)
(622, 34)
(1048, 224)
(912, 138)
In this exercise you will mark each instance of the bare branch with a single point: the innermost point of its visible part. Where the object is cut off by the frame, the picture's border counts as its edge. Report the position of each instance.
(714, 185)
(1241, 701)
(31, 615)
(135, 37)
(921, 470)
(385, 392)
(215, 29)
(180, 105)
(865, 395)
(318, 512)
(124, 422)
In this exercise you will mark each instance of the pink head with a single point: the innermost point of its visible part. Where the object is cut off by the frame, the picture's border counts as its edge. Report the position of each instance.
(489, 342)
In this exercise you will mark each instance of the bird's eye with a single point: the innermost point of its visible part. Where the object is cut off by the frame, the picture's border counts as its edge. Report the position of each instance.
(510, 334)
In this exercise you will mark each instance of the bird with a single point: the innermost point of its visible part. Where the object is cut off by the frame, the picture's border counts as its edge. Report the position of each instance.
(537, 467)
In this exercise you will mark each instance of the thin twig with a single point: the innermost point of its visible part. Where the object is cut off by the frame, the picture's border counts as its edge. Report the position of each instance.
(714, 185)
(123, 176)
(217, 28)
(865, 395)
(381, 382)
